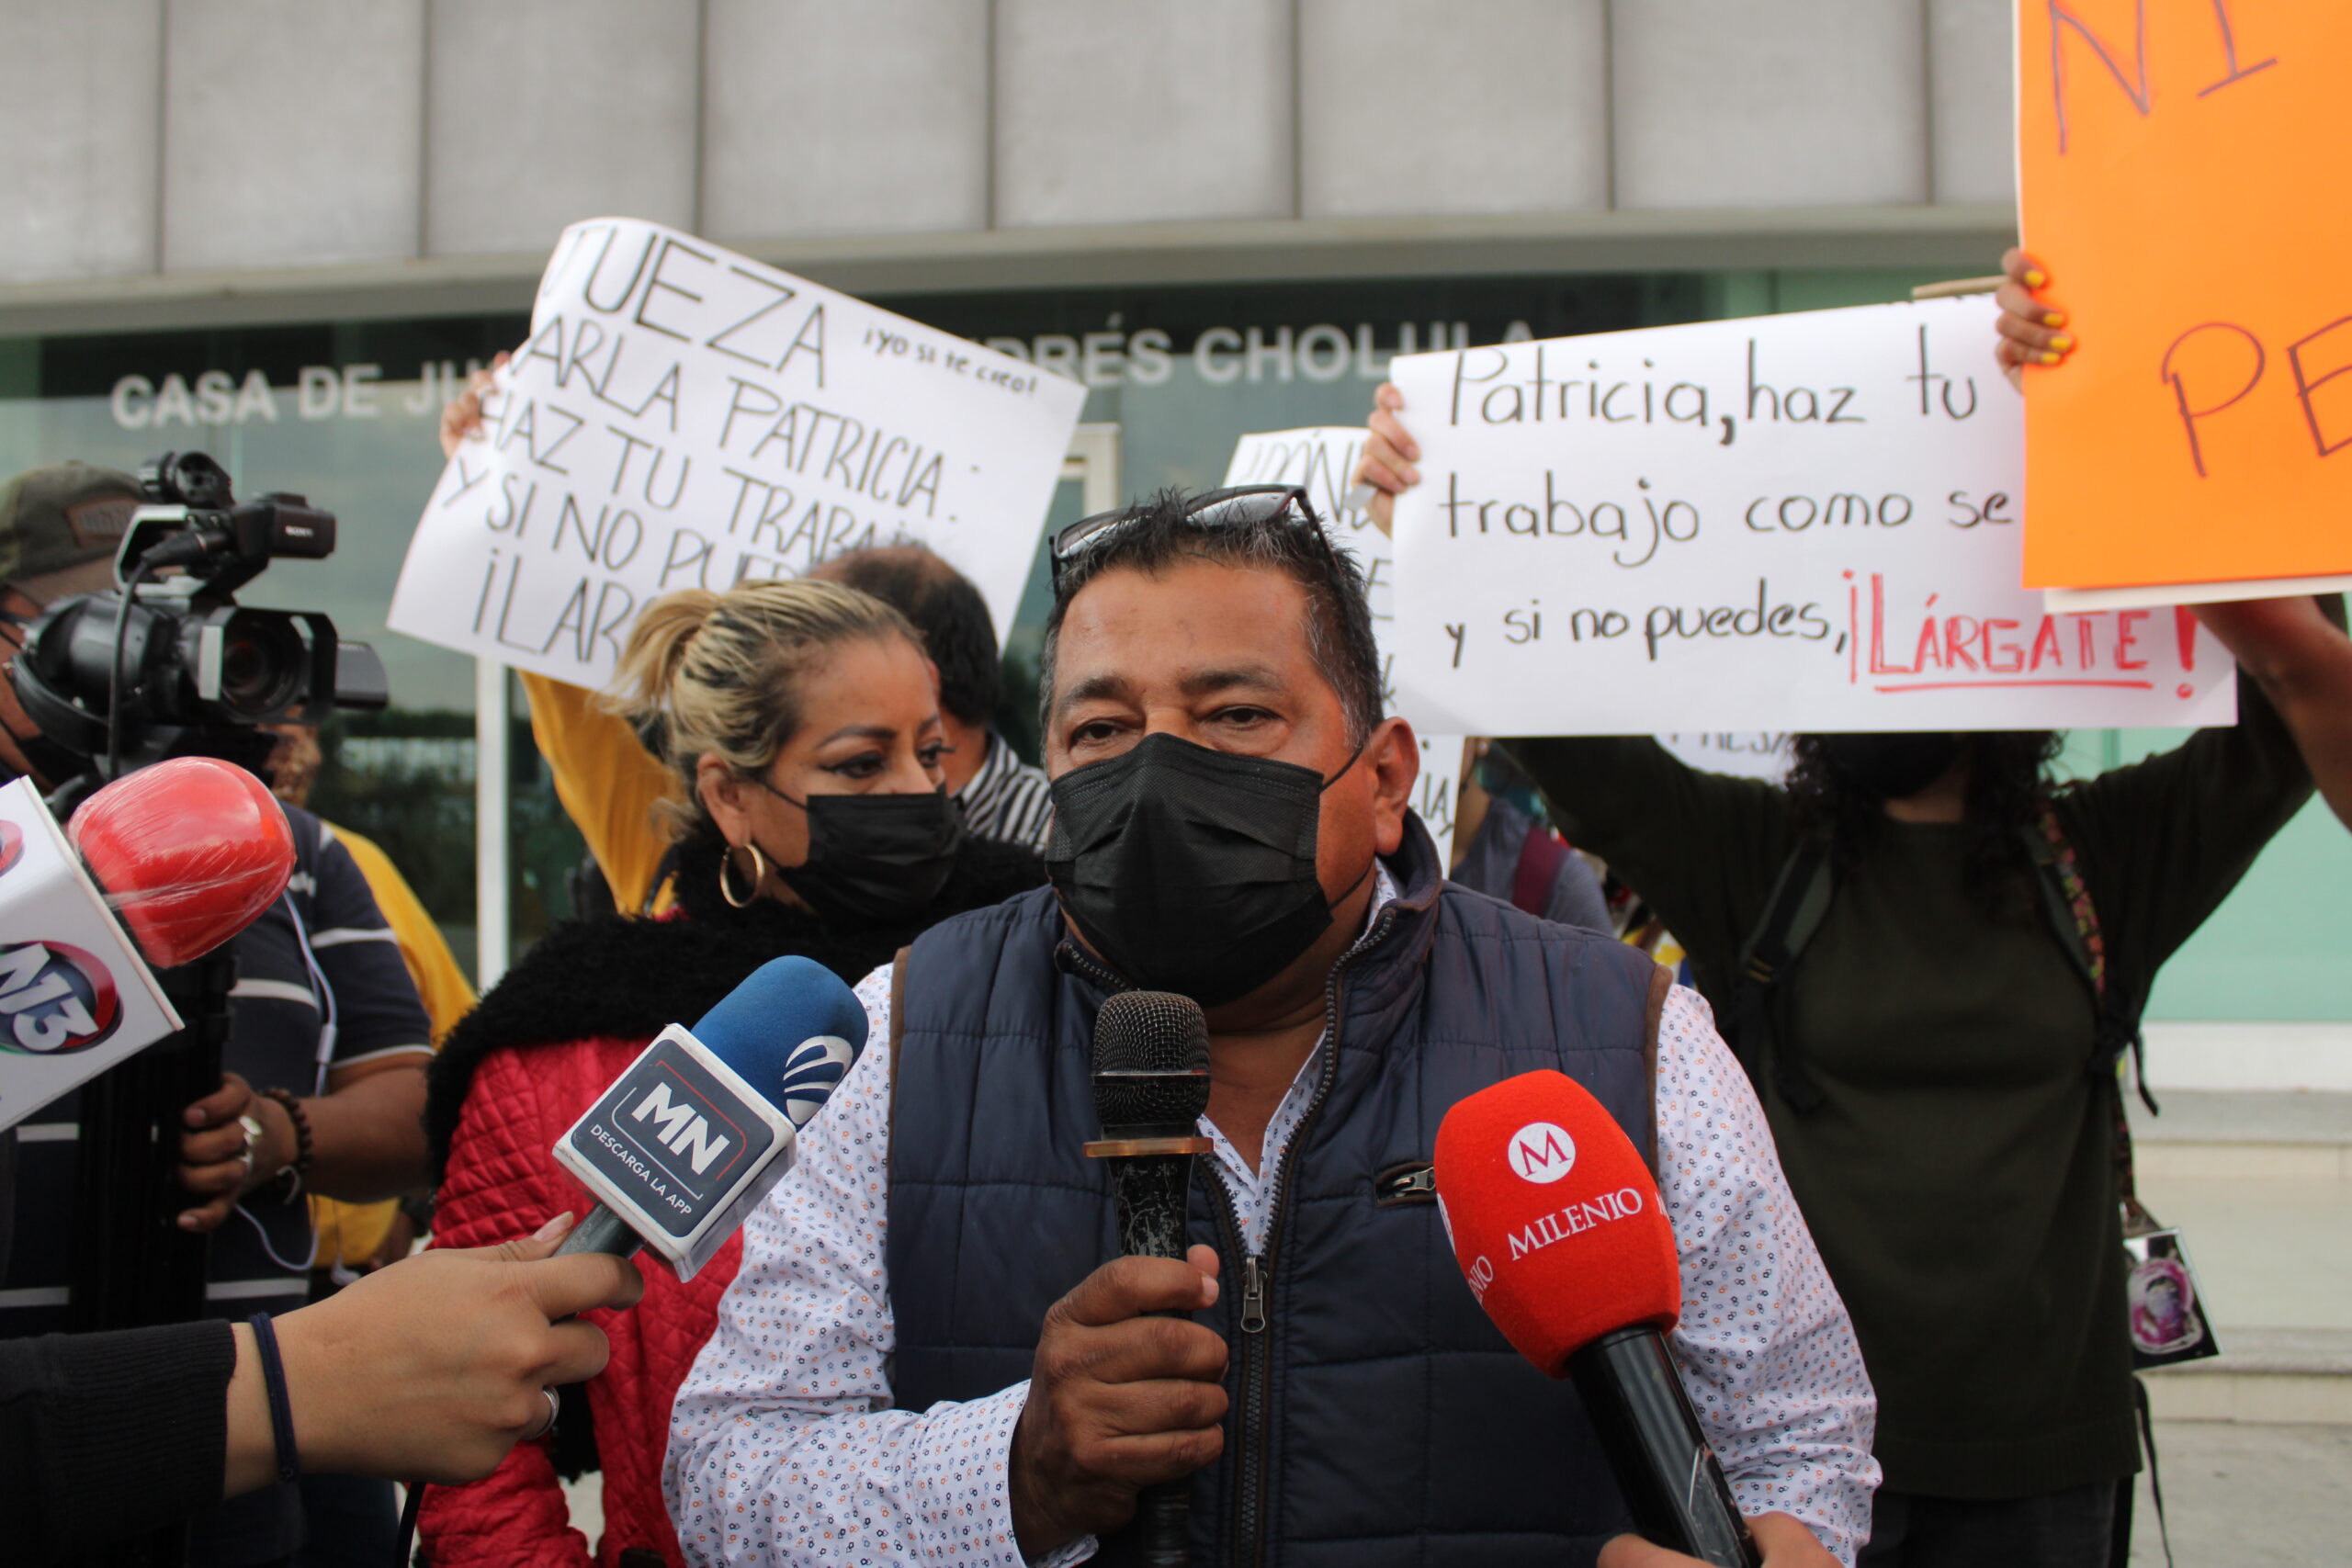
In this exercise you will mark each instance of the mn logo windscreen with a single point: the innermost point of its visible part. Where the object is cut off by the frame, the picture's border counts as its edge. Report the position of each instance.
(671, 1135)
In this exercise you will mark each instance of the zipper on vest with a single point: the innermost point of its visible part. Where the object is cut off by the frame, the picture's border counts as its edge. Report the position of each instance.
(1411, 1183)
(1249, 1428)
(1253, 1295)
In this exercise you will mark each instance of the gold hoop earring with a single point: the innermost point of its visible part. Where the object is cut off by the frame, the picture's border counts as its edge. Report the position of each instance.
(759, 875)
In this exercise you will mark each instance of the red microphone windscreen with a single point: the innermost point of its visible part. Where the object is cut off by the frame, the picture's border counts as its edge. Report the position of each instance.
(1553, 1218)
(188, 852)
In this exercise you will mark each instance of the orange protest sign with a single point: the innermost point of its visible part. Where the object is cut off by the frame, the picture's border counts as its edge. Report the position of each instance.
(2179, 184)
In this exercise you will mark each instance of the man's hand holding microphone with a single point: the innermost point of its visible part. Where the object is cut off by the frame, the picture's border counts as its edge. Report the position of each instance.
(1118, 1400)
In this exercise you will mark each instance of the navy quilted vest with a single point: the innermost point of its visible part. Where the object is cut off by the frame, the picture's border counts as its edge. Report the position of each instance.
(1377, 1418)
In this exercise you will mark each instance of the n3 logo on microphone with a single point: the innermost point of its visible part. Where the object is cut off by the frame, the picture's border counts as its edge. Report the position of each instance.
(1541, 1152)
(54, 999)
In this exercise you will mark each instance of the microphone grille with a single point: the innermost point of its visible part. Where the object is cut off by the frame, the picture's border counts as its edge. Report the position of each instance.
(1151, 1060)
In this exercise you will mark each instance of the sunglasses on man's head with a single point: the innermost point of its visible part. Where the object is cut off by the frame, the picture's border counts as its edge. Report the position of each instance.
(1239, 506)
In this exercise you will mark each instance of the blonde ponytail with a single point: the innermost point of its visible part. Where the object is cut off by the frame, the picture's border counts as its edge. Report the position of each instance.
(657, 647)
(717, 674)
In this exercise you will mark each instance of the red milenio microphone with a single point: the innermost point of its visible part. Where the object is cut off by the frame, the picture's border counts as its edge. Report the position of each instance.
(1559, 1230)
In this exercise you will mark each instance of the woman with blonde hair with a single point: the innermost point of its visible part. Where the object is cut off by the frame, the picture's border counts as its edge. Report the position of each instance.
(800, 723)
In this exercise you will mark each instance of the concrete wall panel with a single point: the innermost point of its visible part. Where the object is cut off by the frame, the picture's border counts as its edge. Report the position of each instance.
(78, 139)
(828, 119)
(1478, 105)
(544, 112)
(1119, 111)
(1769, 103)
(291, 132)
(1972, 90)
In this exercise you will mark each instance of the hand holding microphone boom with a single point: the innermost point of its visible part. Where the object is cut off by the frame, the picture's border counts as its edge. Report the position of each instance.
(177, 858)
(1560, 1232)
(1151, 1085)
(688, 1141)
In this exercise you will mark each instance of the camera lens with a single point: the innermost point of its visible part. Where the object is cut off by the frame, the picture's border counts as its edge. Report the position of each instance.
(263, 665)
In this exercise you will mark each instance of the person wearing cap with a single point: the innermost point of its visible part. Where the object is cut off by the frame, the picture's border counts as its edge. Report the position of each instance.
(324, 1086)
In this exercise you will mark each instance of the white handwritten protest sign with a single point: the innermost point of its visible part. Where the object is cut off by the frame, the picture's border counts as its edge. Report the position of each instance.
(1321, 458)
(1437, 792)
(1747, 754)
(685, 417)
(1802, 521)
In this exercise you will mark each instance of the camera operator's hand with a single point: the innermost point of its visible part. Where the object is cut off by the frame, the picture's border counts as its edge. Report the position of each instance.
(430, 1368)
(462, 416)
(212, 1151)
(1118, 1401)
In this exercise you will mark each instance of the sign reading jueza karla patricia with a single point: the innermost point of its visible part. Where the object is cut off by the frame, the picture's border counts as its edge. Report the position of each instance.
(1805, 521)
(685, 417)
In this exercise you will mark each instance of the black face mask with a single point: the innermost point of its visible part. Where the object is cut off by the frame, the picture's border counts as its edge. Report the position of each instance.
(875, 859)
(1189, 870)
(1888, 767)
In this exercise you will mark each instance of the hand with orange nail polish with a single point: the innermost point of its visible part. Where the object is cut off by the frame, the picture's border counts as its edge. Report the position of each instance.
(2027, 326)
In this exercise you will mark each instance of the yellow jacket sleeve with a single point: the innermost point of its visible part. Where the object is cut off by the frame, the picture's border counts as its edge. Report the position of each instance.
(351, 1233)
(440, 984)
(607, 782)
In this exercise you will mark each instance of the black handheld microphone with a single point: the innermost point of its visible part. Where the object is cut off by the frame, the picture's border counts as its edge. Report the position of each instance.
(1151, 1084)
(688, 1141)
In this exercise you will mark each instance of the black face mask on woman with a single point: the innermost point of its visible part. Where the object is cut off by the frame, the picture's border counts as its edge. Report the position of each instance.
(1888, 767)
(1191, 870)
(875, 859)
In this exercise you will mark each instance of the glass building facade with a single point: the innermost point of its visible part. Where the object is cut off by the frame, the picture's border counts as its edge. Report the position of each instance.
(346, 414)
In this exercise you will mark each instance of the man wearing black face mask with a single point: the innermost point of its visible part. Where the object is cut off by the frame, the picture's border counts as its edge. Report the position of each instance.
(925, 1352)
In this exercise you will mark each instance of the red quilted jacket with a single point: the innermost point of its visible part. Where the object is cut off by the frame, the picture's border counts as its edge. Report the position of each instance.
(515, 1074)
(501, 1182)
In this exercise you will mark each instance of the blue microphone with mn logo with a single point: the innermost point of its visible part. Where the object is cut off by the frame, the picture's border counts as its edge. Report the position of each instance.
(684, 1144)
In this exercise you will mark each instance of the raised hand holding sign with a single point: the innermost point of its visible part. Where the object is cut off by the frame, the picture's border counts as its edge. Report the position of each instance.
(685, 417)
(1801, 522)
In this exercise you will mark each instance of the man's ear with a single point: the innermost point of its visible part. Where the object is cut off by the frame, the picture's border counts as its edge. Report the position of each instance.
(1394, 756)
(721, 793)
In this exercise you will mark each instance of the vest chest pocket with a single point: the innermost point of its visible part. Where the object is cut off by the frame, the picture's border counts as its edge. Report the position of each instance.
(1405, 1183)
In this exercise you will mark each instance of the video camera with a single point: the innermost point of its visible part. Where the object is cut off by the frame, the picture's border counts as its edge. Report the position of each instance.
(167, 663)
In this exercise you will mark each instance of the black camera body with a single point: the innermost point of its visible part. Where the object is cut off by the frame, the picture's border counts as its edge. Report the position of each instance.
(167, 663)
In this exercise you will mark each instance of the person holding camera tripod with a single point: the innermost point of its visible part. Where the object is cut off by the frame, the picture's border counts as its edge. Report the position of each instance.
(323, 1086)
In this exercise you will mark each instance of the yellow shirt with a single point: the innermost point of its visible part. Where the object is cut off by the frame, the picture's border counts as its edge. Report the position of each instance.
(607, 782)
(351, 1233)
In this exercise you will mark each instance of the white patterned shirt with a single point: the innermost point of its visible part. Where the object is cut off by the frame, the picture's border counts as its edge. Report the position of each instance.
(784, 1447)
(1007, 798)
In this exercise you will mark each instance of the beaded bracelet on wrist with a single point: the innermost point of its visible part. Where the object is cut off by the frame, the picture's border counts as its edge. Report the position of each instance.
(304, 1147)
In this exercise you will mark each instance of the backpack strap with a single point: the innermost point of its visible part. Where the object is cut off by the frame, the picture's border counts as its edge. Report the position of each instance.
(1540, 855)
(2066, 899)
(1793, 911)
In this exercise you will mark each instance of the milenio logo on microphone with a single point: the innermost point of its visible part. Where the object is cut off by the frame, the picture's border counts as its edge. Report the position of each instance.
(1542, 1152)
